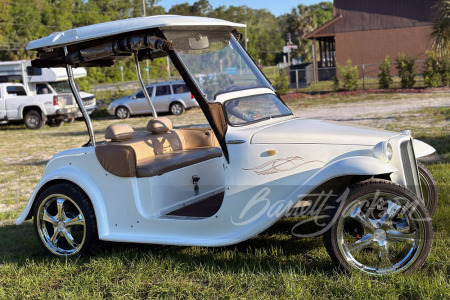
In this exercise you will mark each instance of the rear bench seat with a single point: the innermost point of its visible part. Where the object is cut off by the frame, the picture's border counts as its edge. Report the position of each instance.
(162, 150)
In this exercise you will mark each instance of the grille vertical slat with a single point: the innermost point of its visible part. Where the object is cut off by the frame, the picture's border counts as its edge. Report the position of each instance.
(410, 167)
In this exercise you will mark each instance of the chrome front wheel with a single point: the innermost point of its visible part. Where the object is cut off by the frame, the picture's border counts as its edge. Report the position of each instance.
(65, 221)
(379, 228)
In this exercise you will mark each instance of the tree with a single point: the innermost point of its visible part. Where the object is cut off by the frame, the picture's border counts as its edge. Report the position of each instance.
(303, 20)
(384, 77)
(441, 28)
(406, 70)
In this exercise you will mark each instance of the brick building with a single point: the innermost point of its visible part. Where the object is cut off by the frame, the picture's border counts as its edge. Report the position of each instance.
(365, 31)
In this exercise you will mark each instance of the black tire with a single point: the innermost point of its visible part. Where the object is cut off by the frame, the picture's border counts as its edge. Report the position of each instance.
(58, 123)
(358, 238)
(429, 189)
(64, 221)
(176, 108)
(122, 112)
(33, 120)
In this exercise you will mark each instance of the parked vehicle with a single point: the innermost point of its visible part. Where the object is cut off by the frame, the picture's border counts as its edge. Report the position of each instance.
(225, 184)
(42, 82)
(34, 111)
(170, 96)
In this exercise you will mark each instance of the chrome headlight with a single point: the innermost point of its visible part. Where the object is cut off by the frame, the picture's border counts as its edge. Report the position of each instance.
(383, 151)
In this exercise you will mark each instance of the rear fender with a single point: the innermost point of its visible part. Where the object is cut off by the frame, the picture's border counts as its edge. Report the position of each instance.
(84, 181)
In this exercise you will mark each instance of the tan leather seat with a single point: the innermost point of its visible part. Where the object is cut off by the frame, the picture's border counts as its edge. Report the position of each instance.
(160, 164)
(162, 150)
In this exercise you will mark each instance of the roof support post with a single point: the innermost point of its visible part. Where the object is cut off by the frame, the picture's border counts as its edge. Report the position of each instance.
(77, 96)
(144, 90)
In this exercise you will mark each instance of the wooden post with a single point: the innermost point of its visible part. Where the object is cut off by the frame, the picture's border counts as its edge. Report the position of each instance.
(315, 62)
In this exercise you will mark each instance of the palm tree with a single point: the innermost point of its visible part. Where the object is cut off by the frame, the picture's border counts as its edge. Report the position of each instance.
(441, 27)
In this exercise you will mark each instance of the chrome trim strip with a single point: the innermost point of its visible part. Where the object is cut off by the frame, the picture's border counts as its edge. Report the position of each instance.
(234, 142)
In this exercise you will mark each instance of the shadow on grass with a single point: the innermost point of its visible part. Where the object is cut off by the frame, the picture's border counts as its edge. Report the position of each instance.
(274, 249)
(37, 163)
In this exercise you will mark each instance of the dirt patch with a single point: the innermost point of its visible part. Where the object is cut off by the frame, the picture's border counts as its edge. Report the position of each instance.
(377, 109)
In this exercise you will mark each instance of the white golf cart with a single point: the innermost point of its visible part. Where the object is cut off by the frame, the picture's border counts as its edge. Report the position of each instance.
(225, 184)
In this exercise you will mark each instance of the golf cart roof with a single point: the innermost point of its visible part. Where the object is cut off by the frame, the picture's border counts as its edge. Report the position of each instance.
(96, 31)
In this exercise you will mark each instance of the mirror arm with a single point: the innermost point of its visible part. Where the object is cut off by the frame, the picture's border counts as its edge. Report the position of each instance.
(144, 90)
(75, 93)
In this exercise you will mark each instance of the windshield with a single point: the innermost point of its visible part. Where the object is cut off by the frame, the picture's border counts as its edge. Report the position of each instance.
(217, 62)
(61, 87)
(250, 109)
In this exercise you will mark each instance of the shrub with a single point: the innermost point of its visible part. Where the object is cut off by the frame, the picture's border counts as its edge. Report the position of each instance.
(384, 77)
(349, 76)
(444, 70)
(336, 83)
(281, 82)
(432, 70)
(406, 69)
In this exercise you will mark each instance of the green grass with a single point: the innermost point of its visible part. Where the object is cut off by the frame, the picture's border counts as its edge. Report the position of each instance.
(273, 264)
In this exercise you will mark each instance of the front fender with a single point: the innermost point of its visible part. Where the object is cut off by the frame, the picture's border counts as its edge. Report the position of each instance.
(81, 179)
(355, 165)
(422, 149)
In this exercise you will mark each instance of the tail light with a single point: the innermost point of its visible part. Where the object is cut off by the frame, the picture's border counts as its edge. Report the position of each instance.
(55, 100)
(192, 96)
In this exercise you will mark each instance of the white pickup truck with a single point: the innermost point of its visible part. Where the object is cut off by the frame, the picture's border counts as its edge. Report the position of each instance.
(34, 111)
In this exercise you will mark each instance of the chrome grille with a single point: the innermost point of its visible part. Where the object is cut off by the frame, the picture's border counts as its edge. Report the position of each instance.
(410, 167)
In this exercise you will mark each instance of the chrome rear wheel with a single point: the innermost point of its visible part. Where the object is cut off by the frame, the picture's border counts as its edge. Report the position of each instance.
(65, 221)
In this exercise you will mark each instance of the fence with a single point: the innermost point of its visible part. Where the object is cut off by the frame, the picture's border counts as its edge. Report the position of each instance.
(304, 77)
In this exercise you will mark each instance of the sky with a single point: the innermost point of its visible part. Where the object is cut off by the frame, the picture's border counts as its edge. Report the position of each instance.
(275, 7)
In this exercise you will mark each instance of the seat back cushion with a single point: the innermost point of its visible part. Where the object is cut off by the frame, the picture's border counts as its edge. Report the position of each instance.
(117, 159)
(197, 137)
(154, 144)
(119, 132)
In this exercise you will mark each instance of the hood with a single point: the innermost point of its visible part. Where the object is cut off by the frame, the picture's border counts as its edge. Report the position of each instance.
(304, 131)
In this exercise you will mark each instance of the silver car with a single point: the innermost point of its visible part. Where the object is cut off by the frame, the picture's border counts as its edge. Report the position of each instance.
(169, 96)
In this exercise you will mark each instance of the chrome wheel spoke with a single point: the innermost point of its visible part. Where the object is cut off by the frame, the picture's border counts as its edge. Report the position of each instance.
(48, 218)
(78, 220)
(398, 236)
(69, 238)
(361, 217)
(60, 205)
(383, 255)
(360, 244)
(392, 210)
(54, 238)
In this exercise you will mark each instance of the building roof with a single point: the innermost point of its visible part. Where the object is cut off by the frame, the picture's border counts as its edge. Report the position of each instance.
(96, 31)
(317, 32)
(365, 15)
